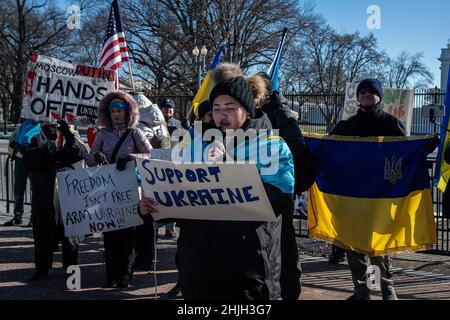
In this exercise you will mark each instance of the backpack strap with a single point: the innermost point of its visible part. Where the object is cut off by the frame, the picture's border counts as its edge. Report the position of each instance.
(119, 143)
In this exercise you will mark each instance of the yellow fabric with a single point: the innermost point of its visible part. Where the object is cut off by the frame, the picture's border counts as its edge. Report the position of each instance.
(372, 226)
(445, 167)
(203, 93)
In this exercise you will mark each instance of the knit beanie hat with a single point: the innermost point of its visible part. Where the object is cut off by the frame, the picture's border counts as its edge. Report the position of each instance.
(373, 84)
(238, 88)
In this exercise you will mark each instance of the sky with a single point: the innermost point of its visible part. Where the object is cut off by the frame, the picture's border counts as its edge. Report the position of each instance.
(406, 25)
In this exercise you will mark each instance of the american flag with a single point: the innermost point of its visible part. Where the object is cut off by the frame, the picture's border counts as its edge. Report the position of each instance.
(114, 50)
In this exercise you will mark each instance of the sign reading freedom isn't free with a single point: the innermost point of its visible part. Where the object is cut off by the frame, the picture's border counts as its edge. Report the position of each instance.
(57, 89)
(98, 199)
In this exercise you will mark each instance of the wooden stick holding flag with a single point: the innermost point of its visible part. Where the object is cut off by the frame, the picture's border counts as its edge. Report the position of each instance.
(275, 66)
(207, 84)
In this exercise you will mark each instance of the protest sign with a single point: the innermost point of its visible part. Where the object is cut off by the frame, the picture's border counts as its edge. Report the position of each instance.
(57, 89)
(398, 102)
(98, 199)
(206, 192)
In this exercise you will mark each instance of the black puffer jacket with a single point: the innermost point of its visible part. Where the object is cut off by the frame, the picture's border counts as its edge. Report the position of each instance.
(223, 260)
(283, 119)
(374, 123)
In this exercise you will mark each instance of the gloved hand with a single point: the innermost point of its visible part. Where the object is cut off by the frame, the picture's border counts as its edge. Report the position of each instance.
(122, 163)
(64, 129)
(100, 158)
(433, 143)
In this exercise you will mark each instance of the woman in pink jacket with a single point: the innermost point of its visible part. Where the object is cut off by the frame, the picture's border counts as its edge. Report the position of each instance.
(118, 137)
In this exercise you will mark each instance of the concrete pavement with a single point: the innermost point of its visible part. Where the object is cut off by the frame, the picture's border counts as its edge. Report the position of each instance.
(320, 280)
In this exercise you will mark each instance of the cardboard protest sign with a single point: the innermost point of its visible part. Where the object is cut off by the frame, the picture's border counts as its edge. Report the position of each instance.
(57, 89)
(398, 102)
(98, 199)
(205, 191)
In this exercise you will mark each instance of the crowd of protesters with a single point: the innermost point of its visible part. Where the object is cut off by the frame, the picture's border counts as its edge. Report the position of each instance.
(215, 259)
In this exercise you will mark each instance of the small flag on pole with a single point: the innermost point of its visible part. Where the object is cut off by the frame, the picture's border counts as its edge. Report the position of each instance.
(275, 66)
(114, 50)
(207, 83)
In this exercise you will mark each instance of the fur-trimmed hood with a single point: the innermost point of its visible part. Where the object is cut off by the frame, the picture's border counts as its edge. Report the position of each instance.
(104, 117)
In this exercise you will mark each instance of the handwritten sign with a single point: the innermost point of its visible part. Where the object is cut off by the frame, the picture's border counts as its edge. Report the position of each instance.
(57, 89)
(398, 102)
(205, 192)
(98, 199)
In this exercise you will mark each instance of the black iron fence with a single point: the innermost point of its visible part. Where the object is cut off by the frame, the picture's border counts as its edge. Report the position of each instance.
(317, 113)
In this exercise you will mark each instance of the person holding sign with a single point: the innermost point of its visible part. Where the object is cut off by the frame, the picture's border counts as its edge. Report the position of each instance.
(118, 137)
(43, 159)
(236, 259)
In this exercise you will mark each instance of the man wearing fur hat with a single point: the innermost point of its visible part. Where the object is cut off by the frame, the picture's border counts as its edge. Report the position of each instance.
(370, 121)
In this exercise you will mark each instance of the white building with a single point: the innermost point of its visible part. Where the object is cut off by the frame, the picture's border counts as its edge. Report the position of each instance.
(445, 65)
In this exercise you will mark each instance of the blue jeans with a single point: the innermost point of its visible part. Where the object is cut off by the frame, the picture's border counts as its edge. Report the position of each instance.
(20, 185)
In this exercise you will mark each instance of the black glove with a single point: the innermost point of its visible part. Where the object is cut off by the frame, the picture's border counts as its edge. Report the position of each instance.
(122, 163)
(100, 158)
(433, 143)
(64, 129)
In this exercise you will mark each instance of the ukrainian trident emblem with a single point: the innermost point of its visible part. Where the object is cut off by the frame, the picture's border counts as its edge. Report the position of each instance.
(392, 169)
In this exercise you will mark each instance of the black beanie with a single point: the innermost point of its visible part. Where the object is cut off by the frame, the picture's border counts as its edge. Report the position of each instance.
(371, 83)
(203, 108)
(239, 89)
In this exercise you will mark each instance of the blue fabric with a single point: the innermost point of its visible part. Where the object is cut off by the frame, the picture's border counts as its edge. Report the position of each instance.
(358, 168)
(283, 178)
(27, 130)
(117, 104)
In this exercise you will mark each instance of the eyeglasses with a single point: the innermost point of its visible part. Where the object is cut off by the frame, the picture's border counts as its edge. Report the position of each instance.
(368, 90)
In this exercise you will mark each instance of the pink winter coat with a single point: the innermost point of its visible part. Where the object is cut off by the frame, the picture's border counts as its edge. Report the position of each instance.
(108, 136)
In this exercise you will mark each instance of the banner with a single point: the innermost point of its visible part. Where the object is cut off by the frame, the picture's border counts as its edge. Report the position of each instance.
(205, 192)
(98, 199)
(371, 195)
(398, 102)
(57, 89)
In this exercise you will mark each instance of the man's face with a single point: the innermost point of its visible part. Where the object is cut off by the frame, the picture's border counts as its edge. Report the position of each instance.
(368, 97)
(228, 113)
(168, 112)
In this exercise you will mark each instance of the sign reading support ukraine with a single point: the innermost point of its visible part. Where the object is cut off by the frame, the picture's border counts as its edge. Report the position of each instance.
(203, 191)
(371, 195)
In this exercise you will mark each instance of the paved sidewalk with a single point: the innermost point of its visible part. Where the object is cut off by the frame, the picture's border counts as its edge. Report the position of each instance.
(320, 280)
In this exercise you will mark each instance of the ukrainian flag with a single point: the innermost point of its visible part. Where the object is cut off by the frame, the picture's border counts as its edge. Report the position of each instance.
(442, 173)
(207, 83)
(371, 195)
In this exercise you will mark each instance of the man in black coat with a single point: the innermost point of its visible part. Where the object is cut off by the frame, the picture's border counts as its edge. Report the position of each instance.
(370, 121)
(44, 159)
(283, 119)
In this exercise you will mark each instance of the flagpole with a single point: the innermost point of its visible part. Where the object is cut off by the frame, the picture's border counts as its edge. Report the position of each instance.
(131, 76)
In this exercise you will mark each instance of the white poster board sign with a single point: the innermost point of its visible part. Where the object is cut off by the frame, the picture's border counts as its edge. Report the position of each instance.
(98, 199)
(398, 102)
(205, 192)
(57, 89)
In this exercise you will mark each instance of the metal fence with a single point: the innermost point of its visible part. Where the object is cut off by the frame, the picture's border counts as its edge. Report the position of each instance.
(318, 113)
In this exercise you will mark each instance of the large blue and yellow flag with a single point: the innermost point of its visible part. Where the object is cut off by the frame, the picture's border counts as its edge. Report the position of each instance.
(442, 173)
(207, 83)
(275, 66)
(371, 195)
